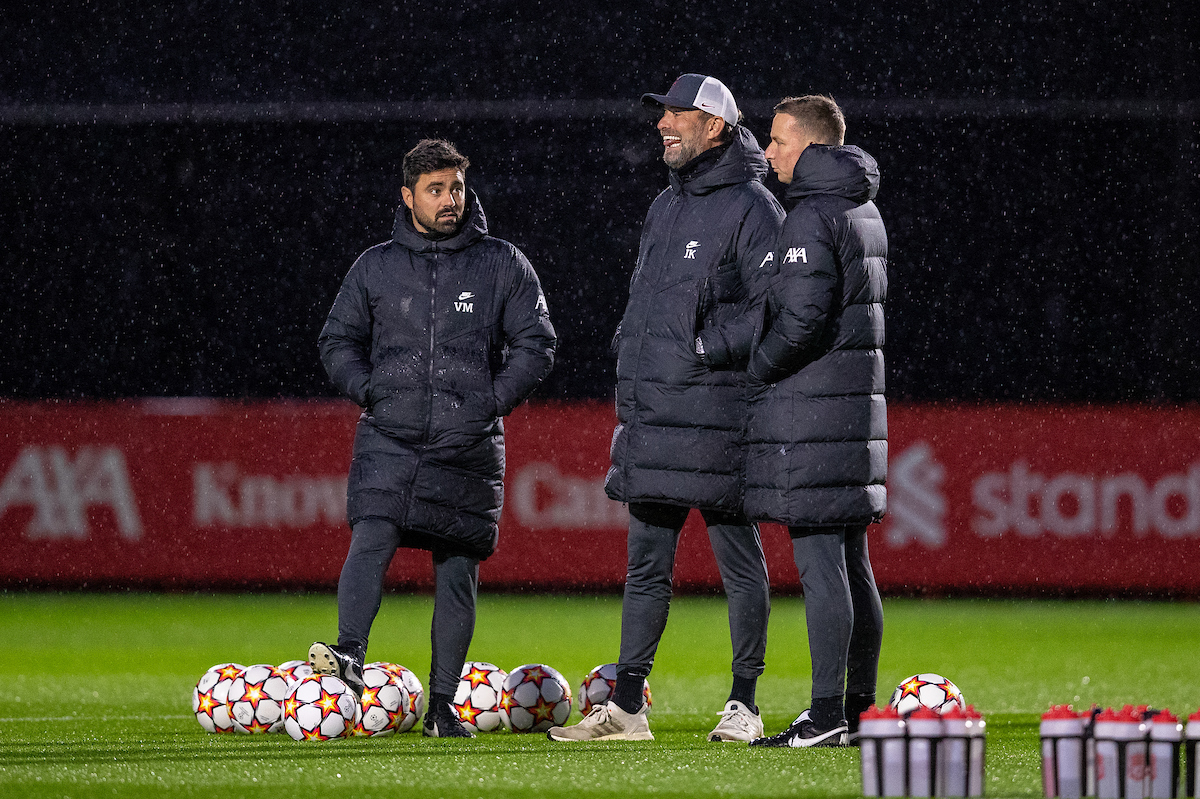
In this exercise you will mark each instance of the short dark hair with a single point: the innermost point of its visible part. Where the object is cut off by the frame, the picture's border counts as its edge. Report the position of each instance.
(818, 114)
(431, 155)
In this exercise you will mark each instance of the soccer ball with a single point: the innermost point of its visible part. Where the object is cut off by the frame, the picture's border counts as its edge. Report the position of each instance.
(319, 708)
(535, 698)
(210, 697)
(416, 694)
(256, 699)
(295, 670)
(384, 702)
(926, 690)
(598, 686)
(477, 698)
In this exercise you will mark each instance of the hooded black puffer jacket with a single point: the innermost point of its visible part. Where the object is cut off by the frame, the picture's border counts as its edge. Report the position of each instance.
(818, 427)
(681, 433)
(436, 340)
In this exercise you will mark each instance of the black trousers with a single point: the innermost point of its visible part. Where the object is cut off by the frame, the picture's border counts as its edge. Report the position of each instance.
(842, 608)
(653, 536)
(373, 542)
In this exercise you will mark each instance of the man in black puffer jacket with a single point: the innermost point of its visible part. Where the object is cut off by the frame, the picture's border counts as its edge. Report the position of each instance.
(437, 334)
(818, 420)
(683, 342)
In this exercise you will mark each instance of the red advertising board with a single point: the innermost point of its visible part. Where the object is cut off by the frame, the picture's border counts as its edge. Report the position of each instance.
(203, 493)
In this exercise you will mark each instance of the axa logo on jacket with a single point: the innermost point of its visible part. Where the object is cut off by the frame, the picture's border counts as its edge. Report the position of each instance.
(795, 254)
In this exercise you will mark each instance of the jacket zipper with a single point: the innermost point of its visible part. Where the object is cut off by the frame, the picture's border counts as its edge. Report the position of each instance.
(432, 343)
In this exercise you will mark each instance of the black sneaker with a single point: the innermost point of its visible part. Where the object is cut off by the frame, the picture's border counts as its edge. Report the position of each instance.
(334, 660)
(442, 722)
(804, 733)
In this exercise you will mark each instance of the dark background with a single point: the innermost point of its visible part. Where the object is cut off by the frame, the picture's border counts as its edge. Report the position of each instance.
(183, 187)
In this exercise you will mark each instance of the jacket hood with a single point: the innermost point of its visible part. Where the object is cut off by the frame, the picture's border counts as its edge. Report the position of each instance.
(473, 229)
(742, 162)
(842, 170)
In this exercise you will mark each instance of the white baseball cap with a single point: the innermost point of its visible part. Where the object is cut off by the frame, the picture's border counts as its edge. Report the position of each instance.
(699, 91)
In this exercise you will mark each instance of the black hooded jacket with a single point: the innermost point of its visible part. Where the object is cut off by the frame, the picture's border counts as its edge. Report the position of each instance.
(436, 340)
(817, 418)
(681, 433)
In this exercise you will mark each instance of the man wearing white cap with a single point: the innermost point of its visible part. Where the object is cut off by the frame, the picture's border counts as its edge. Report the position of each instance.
(682, 349)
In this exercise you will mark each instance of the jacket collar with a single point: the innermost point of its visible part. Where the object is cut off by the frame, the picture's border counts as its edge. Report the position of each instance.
(841, 170)
(742, 162)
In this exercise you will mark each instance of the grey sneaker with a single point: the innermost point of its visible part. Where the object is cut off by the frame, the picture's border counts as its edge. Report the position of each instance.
(606, 722)
(804, 733)
(326, 659)
(738, 723)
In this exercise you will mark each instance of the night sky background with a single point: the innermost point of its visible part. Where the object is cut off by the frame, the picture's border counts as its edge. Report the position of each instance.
(183, 186)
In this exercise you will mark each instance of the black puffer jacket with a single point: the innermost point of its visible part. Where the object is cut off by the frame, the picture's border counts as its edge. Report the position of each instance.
(818, 428)
(436, 340)
(681, 433)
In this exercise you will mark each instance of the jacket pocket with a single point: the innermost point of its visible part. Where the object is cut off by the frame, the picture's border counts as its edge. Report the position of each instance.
(722, 287)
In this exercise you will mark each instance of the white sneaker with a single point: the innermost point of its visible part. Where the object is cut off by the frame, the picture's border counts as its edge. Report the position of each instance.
(606, 722)
(738, 723)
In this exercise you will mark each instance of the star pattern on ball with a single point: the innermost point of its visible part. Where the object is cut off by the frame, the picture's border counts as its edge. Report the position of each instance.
(912, 687)
(205, 704)
(477, 677)
(951, 690)
(536, 675)
(229, 672)
(543, 710)
(254, 695)
(328, 702)
(467, 712)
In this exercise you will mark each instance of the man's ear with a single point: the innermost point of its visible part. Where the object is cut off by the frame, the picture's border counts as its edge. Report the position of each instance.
(716, 125)
(406, 195)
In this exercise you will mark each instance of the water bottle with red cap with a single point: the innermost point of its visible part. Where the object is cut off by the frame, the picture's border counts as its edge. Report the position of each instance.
(1121, 753)
(924, 737)
(1166, 735)
(1062, 752)
(884, 752)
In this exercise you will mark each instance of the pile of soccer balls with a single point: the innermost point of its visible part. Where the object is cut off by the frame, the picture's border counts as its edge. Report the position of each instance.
(231, 698)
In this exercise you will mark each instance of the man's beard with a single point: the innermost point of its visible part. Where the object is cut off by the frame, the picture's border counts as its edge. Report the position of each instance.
(677, 158)
(440, 226)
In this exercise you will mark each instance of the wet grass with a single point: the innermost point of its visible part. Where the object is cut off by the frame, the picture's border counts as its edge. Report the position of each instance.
(95, 693)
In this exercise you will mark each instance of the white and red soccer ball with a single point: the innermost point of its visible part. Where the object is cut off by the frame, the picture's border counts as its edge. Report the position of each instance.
(256, 699)
(416, 694)
(320, 707)
(295, 670)
(210, 697)
(479, 695)
(598, 687)
(535, 698)
(384, 702)
(928, 690)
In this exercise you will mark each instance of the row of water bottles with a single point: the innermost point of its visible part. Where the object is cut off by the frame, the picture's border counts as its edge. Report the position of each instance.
(1131, 753)
(922, 753)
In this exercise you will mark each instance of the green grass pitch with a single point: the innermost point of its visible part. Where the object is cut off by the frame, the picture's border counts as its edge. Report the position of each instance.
(95, 693)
